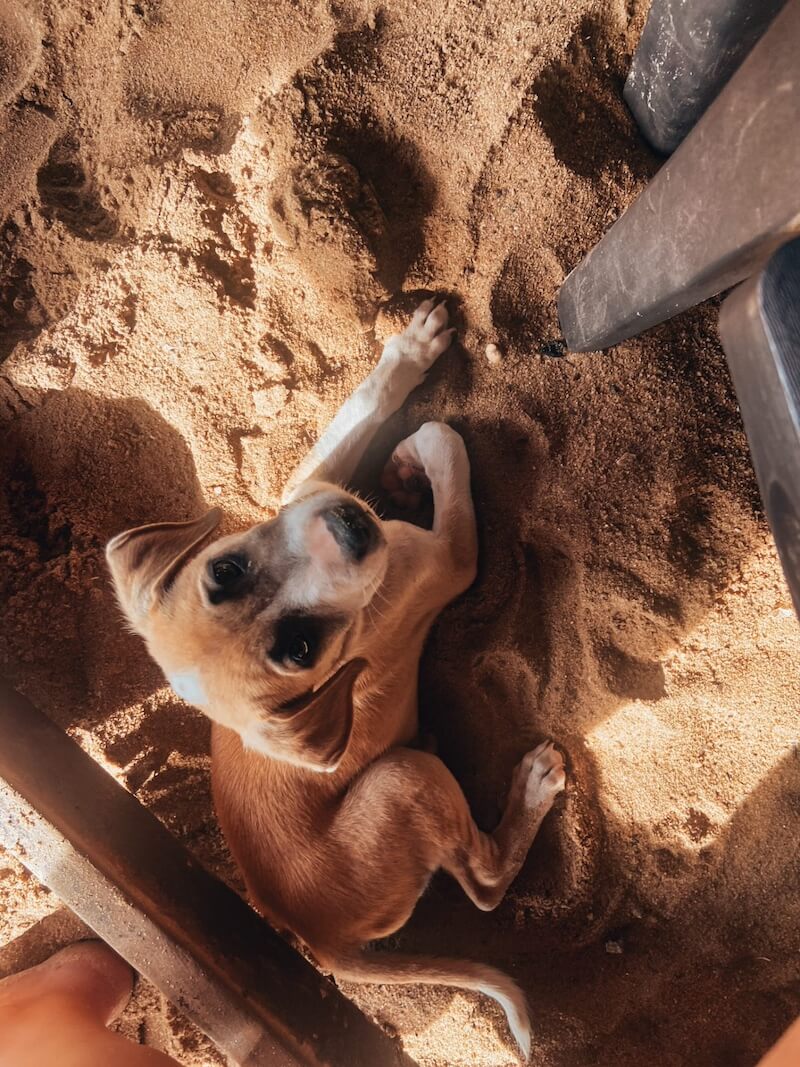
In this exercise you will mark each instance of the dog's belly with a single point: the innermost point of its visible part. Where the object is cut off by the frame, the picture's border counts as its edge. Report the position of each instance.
(294, 843)
(271, 828)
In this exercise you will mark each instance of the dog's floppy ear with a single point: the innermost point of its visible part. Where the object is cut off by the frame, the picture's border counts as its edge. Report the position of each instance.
(314, 730)
(145, 561)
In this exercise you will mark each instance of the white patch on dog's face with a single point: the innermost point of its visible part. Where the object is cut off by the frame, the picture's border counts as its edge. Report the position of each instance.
(257, 619)
(253, 740)
(326, 576)
(304, 508)
(189, 687)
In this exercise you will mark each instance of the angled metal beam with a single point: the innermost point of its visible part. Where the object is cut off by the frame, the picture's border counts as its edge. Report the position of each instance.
(760, 330)
(714, 213)
(686, 54)
(119, 869)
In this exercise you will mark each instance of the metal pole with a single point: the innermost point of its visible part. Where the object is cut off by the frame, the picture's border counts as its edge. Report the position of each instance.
(686, 54)
(714, 213)
(119, 869)
(760, 329)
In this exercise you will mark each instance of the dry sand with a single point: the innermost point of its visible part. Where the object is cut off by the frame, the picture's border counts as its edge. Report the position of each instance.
(213, 212)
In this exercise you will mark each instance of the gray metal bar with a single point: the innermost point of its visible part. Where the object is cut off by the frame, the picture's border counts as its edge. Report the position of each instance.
(760, 329)
(686, 54)
(123, 873)
(717, 209)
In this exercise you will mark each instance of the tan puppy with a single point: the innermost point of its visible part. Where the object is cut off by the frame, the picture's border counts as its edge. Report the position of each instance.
(301, 639)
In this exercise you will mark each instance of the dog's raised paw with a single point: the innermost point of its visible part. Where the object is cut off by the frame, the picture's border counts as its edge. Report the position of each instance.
(541, 773)
(427, 335)
(414, 351)
(404, 476)
(405, 482)
(416, 460)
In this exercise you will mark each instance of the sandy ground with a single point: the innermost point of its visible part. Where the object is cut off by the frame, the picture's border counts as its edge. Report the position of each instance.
(211, 215)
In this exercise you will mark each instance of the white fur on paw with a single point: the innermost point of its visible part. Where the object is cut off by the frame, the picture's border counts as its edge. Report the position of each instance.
(432, 442)
(545, 778)
(424, 339)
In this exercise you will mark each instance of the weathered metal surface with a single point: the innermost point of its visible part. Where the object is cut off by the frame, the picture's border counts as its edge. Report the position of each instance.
(714, 213)
(760, 329)
(686, 54)
(124, 874)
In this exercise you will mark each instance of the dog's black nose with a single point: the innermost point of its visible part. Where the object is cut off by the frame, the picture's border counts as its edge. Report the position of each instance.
(353, 528)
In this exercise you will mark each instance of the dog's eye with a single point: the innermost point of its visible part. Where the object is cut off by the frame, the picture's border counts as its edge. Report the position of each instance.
(227, 569)
(297, 640)
(299, 650)
(229, 578)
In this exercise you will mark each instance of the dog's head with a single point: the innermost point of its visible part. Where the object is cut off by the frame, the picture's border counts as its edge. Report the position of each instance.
(260, 629)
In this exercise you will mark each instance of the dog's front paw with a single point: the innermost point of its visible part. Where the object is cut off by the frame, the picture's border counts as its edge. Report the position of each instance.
(427, 335)
(412, 353)
(414, 461)
(404, 475)
(540, 776)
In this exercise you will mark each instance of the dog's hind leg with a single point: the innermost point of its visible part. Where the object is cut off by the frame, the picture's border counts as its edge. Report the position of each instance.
(406, 359)
(486, 872)
(400, 821)
(406, 816)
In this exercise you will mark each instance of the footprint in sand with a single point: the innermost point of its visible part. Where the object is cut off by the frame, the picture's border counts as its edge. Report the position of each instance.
(227, 255)
(577, 96)
(631, 625)
(329, 221)
(70, 194)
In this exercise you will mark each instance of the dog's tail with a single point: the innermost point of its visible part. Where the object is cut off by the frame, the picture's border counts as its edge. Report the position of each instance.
(393, 968)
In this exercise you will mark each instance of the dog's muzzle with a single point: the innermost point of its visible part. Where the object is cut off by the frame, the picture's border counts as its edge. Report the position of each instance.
(354, 530)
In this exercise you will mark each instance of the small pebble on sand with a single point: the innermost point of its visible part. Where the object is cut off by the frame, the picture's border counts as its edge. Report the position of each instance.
(493, 355)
